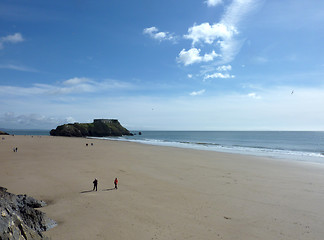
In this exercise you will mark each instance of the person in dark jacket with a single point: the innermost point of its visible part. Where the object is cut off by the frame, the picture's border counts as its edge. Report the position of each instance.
(95, 184)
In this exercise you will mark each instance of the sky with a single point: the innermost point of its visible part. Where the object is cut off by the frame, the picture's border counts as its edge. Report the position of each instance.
(163, 64)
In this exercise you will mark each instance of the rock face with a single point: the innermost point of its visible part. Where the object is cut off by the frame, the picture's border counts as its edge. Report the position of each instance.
(3, 133)
(19, 219)
(99, 128)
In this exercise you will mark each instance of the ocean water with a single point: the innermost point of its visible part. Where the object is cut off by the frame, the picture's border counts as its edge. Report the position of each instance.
(295, 146)
(26, 132)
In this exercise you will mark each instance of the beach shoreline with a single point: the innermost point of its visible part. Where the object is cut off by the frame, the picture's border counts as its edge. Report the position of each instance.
(165, 192)
(302, 146)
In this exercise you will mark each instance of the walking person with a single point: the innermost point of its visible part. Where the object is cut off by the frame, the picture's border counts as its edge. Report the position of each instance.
(116, 182)
(95, 184)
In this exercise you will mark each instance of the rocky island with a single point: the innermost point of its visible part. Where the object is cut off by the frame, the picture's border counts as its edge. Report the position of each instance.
(99, 128)
(3, 133)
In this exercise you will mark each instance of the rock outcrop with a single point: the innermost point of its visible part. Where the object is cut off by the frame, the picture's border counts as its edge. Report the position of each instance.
(3, 133)
(19, 219)
(99, 128)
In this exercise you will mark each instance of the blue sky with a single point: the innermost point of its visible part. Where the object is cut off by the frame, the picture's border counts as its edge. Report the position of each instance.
(163, 65)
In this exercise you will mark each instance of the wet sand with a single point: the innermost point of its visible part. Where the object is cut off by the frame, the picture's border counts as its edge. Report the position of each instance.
(164, 192)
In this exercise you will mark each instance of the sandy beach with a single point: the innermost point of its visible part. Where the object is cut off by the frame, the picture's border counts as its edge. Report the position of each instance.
(164, 192)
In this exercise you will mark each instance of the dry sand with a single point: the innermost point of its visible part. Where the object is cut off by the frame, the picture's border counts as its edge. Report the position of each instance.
(164, 193)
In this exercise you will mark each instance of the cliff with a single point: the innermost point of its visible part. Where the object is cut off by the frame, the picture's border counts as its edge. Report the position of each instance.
(3, 133)
(19, 218)
(99, 128)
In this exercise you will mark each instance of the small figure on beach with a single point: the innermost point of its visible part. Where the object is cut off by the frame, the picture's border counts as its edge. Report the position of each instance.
(116, 182)
(95, 184)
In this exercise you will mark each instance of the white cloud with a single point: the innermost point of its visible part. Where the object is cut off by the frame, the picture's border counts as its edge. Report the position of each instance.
(17, 68)
(213, 3)
(261, 60)
(29, 120)
(189, 57)
(154, 33)
(219, 75)
(193, 56)
(189, 75)
(237, 11)
(15, 38)
(222, 35)
(70, 120)
(196, 93)
(207, 33)
(33, 120)
(238, 111)
(150, 30)
(224, 68)
(76, 81)
(254, 95)
(233, 17)
(210, 56)
(67, 87)
(229, 49)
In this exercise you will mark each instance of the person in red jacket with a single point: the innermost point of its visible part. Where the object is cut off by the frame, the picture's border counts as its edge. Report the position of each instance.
(116, 182)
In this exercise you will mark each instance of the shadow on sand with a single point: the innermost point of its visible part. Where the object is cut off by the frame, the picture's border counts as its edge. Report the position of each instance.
(108, 189)
(87, 191)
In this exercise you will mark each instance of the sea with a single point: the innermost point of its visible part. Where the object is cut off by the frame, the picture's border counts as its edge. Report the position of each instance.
(26, 132)
(301, 146)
